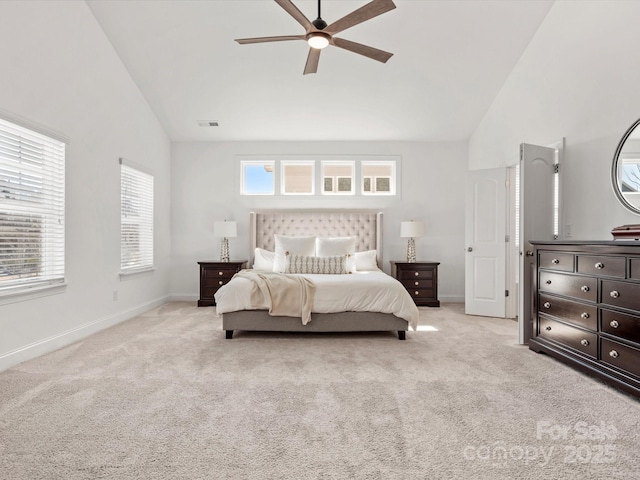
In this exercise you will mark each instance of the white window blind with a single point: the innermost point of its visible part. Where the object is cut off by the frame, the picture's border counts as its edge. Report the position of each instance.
(136, 218)
(31, 208)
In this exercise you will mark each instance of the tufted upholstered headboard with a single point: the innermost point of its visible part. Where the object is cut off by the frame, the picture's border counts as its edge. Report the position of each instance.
(366, 226)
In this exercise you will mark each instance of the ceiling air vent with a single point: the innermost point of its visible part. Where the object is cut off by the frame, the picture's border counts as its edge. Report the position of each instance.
(207, 123)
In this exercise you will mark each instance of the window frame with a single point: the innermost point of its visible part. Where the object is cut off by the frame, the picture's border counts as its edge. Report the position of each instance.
(393, 178)
(145, 221)
(243, 176)
(32, 170)
(297, 163)
(336, 178)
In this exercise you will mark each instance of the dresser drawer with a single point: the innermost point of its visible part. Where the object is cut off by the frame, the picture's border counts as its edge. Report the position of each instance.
(621, 294)
(621, 325)
(575, 338)
(634, 268)
(577, 313)
(620, 356)
(602, 265)
(585, 288)
(561, 262)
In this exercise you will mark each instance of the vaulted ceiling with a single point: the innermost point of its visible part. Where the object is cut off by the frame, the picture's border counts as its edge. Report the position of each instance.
(451, 57)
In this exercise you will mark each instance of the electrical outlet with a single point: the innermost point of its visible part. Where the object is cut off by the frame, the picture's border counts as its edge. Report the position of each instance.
(115, 295)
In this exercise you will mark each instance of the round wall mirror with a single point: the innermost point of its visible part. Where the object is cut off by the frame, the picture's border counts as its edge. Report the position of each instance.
(625, 172)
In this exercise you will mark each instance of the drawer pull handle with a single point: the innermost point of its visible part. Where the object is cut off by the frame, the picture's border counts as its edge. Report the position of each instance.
(546, 305)
(548, 282)
(614, 294)
(599, 265)
(555, 261)
(417, 283)
(584, 315)
(614, 354)
(614, 323)
(417, 274)
(548, 329)
(584, 288)
(220, 282)
(416, 292)
(220, 273)
(584, 342)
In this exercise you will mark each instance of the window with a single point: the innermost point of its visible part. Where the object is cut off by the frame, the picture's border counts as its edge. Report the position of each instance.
(337, 178)
(297, 178)
(257, 178)
(378, 178)
(31, 208)
(136, 218)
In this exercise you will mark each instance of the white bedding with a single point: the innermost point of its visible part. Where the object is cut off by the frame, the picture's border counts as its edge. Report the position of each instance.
(373, 291)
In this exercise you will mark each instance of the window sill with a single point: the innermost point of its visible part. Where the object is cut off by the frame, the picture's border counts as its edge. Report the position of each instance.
(22, 294)
(131, 274)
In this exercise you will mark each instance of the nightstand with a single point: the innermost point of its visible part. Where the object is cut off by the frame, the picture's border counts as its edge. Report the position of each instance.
(212, 276)
(420, 279)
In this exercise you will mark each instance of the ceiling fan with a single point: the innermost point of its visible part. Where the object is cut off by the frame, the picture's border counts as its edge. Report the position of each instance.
(318, 34)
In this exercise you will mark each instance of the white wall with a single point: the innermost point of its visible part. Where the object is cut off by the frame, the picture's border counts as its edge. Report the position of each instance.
(578, 79)
(59, 70)
(205, 188)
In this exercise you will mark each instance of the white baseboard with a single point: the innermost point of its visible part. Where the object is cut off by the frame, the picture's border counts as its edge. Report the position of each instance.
(184, 297)
(451, 299)
(47, 345)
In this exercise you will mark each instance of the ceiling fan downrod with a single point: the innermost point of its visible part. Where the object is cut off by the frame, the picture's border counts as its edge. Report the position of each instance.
(319, 23)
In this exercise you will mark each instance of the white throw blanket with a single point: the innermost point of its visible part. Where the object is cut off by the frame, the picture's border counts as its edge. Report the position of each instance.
(283, 295)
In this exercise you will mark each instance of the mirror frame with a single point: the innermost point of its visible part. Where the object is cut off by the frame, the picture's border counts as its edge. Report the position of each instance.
(614, 170)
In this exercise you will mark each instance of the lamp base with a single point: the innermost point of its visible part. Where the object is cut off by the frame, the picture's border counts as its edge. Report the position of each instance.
(224, 250)
(411, 250)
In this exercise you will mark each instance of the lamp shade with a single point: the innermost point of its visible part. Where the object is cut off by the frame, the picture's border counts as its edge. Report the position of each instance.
(411, 229)
(225, 229)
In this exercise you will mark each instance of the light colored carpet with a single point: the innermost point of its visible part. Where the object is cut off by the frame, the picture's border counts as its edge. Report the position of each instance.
(166, 396)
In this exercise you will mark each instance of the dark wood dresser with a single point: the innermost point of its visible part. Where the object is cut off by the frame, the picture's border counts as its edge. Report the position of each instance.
(420, 279)
(212, 276)
(586, 303)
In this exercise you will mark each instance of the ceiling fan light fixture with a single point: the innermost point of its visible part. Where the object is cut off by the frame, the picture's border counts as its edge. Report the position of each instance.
(318, 40)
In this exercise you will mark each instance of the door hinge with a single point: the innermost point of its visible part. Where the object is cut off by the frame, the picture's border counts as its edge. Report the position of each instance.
(506, 293)
(556, 168)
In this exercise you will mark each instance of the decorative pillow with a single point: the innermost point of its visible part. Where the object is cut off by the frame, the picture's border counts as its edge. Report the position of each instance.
(332, 246)
(292, 245)
(263, 260)
(366, 261)
(335, 265)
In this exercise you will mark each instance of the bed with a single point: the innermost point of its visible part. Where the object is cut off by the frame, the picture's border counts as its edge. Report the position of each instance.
(375, 301)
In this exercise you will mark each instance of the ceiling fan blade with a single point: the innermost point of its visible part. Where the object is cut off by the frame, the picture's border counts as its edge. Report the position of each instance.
(374, 53)
(312, 61)
(295, 13)
(362, 14)
(243, 41)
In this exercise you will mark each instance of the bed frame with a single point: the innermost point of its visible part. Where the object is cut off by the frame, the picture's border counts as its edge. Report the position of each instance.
(366, 226)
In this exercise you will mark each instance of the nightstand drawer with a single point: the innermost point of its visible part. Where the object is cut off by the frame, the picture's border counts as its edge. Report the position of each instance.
(216, 273)
(418, 283)
(415, 273)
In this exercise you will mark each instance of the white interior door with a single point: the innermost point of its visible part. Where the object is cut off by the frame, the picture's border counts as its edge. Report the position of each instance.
(538, 210)
(485, 230)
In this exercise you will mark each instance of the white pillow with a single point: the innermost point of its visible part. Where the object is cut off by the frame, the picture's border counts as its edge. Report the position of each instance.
(263, 260)
(337, 246)
(366, 261)
(293, 246)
